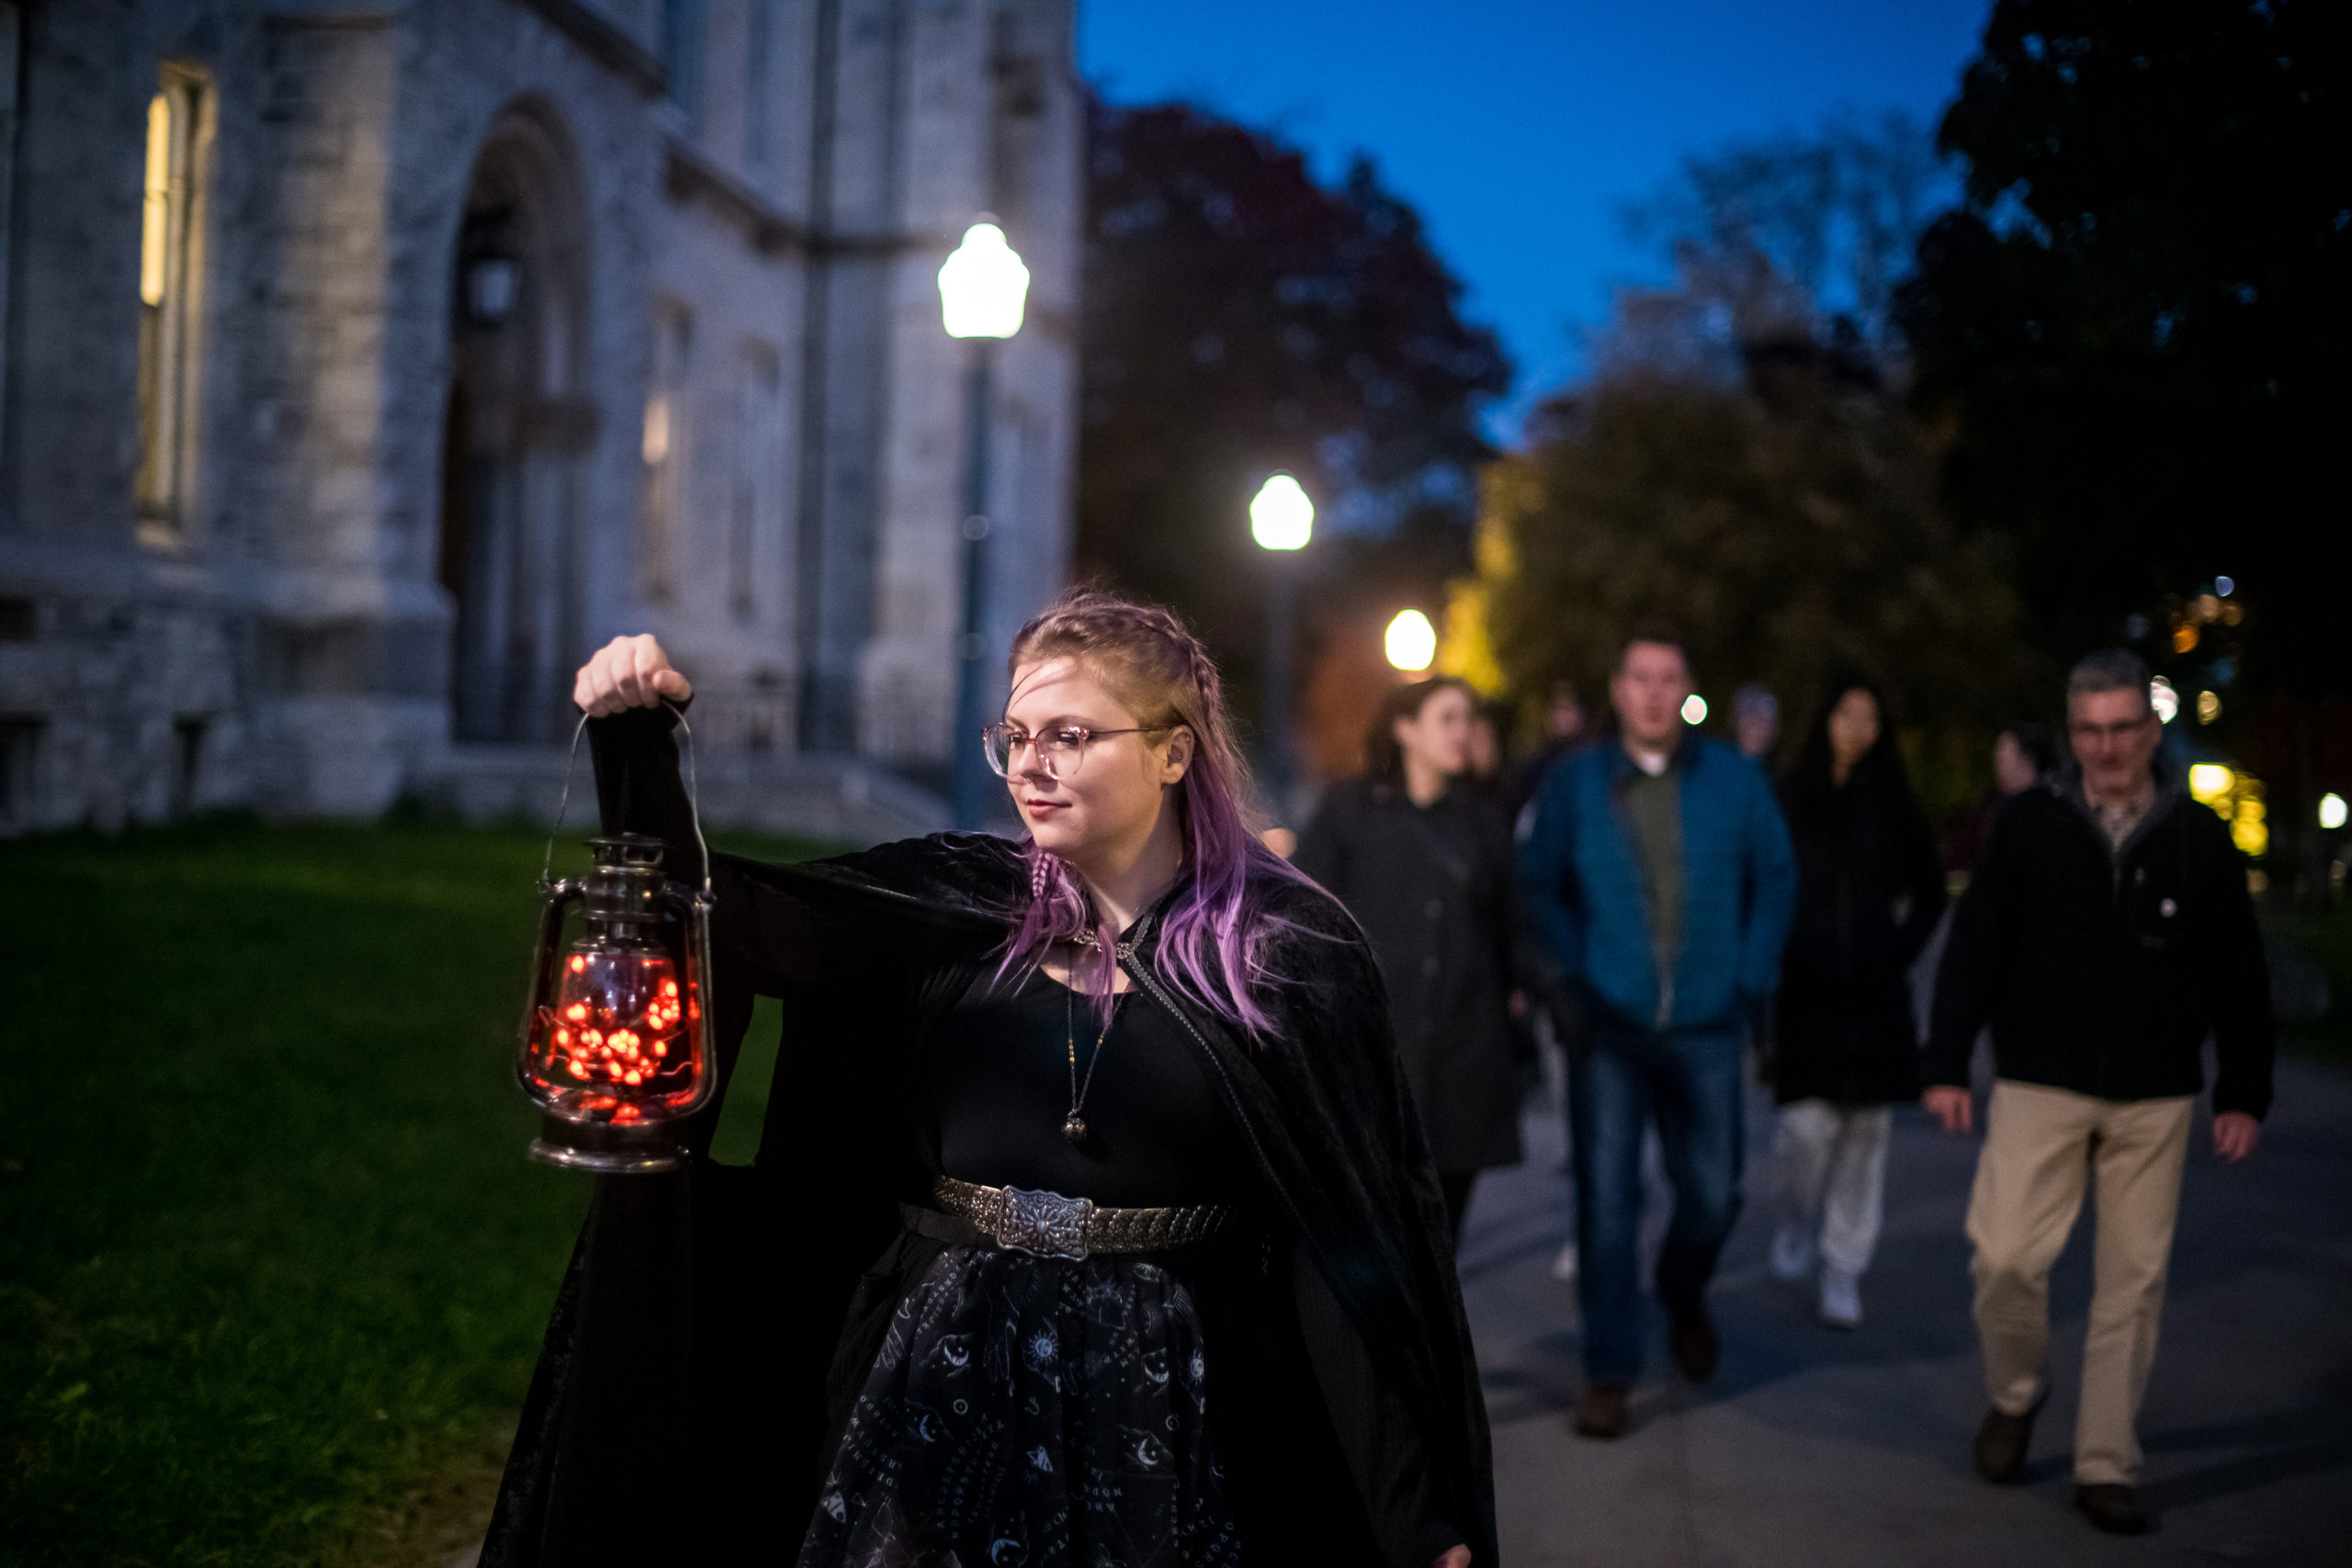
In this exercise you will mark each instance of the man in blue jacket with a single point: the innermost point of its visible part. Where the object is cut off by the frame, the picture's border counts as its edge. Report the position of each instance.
(1660, 875)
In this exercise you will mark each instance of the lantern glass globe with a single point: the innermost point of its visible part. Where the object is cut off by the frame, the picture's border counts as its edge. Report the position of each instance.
(983, 285)
(1282, 517)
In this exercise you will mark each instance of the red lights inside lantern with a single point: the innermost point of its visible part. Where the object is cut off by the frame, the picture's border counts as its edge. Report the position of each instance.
(612, 1045)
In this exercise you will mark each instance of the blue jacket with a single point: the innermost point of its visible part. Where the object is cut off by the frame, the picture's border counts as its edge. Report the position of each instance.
(1584, 886)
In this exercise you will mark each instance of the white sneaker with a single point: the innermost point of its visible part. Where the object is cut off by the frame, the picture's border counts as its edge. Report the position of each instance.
(1841, 1299)
(1564, 1267)
(1791, 1255)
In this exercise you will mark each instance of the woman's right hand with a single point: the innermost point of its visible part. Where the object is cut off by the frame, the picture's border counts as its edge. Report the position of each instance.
(628, 672)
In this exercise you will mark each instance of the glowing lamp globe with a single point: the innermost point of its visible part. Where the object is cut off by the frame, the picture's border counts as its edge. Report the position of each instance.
(983, 286)
(616, 1047)
(1412, 641)
(1695, 709)
(1281, 516)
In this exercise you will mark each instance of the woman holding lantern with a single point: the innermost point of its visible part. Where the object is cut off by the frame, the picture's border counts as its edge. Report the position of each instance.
(1092, 1221)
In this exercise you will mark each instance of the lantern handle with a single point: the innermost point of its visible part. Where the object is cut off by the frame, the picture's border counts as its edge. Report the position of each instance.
(693, 798)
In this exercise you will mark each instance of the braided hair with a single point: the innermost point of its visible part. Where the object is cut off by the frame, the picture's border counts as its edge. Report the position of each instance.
(1213, 931)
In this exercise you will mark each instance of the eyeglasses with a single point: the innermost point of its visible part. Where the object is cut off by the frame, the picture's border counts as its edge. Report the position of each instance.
(1061, 750)
(2122, 731)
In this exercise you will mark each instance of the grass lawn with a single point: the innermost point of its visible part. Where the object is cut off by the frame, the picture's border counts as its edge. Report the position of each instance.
(273, 1268)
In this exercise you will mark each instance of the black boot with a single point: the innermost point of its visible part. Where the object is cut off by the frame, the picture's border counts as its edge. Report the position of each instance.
(2001, 1443)
(2113, 1507)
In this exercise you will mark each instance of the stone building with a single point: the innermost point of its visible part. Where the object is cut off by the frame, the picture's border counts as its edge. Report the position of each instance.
(365, 363)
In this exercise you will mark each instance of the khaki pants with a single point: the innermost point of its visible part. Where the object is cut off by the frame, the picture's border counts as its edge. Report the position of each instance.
(2039, 1145)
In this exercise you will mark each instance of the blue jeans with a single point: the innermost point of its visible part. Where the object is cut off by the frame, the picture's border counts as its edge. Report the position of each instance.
(1691, 1081)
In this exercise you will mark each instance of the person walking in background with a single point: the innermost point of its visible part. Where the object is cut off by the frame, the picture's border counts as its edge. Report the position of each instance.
(1425, 865)
(1564, 726)
(2105, 930)
(1756, 722)
(2023, 755)
(1662, 881)
(1870, 891)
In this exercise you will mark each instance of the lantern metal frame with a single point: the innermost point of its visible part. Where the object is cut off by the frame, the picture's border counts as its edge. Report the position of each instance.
(576, 1136)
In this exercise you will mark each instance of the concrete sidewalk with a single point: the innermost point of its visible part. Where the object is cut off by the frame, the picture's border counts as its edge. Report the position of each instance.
(1818, 1450)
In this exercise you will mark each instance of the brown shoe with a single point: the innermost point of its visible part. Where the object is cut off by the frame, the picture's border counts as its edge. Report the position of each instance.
(1602, 1412)
(1695, 1347)
(2113, 1507)
(2001, 1442)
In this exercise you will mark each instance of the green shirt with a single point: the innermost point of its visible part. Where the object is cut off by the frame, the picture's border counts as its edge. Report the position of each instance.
(1654, 806)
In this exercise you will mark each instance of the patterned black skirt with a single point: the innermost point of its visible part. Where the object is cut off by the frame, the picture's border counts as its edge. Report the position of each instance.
(1030, 1411)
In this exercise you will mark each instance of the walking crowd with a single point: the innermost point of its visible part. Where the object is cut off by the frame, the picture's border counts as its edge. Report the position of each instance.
(1107, 1200)
(1677, 918)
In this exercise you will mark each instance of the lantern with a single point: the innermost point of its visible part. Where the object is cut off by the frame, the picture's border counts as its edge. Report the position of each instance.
(616, 1047)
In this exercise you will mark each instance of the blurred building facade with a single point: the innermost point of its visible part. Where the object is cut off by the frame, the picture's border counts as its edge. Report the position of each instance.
(367, 362)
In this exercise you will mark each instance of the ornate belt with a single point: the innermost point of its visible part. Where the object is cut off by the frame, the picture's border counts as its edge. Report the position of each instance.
(1054, 1226)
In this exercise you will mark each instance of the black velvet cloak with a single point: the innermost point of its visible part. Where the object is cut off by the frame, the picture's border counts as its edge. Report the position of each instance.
(679, 1413)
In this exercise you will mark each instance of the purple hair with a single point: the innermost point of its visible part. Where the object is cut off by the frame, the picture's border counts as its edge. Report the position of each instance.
(1215, 929)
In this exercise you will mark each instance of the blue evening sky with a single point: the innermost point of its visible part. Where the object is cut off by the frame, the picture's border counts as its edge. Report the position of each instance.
(1518, 127)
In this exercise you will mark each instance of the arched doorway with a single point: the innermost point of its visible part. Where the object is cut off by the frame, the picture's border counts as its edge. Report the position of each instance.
(516, 430)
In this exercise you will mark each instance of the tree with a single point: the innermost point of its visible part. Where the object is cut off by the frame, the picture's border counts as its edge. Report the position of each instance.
(1771, 237)
(2136, 326)
(1786, 527)
(1240, 318)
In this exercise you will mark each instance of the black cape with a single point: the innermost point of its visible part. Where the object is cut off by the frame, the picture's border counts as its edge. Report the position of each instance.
(679, 1413)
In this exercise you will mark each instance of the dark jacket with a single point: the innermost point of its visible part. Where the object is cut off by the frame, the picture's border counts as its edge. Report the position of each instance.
(1435, 890)
(1870, 890)
(1582, 875)
(714, 1325)
(2102, 971)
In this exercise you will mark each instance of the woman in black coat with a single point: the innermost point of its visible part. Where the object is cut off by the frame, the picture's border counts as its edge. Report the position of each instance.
(1426, 866)
(1091, 1219)
(1870, 891)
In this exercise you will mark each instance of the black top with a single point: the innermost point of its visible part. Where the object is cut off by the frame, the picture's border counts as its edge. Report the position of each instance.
(1435, 887)
(1870, 891)
(2101, 969)
(999, 1069)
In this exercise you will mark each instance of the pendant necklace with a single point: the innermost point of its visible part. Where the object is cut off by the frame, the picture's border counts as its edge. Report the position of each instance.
(1074, 1124)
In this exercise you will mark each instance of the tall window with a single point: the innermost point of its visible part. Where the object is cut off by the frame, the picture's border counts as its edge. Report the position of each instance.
(681, 26)
(759, 447)
(166, 285)
(665, 448)
(759, 59)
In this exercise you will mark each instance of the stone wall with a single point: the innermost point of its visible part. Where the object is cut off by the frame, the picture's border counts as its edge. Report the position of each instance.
(290, 637)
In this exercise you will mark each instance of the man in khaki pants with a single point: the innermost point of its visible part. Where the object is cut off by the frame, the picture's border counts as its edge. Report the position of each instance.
(2106, 930)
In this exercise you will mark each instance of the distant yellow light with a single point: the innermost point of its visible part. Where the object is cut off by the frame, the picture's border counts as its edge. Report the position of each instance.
(2210, 782)
(2209, 608)
(156, 209)
(1695, 709)
(2209, 706)
(2184, 636)
(2332, 811)
(656, 444)
(1411, 641)
(2248, 828)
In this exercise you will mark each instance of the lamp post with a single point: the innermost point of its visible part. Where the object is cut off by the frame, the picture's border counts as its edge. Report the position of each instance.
(1282, 519)
(982, 287)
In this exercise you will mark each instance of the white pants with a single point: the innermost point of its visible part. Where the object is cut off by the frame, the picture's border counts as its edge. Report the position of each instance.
(1831, 1167)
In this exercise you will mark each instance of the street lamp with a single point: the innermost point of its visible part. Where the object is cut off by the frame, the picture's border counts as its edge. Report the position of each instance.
(1412, 642)
(1282, 519)
(982, 289)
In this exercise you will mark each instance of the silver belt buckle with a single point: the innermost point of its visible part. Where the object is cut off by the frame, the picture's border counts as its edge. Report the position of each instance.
(1045, 1223)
